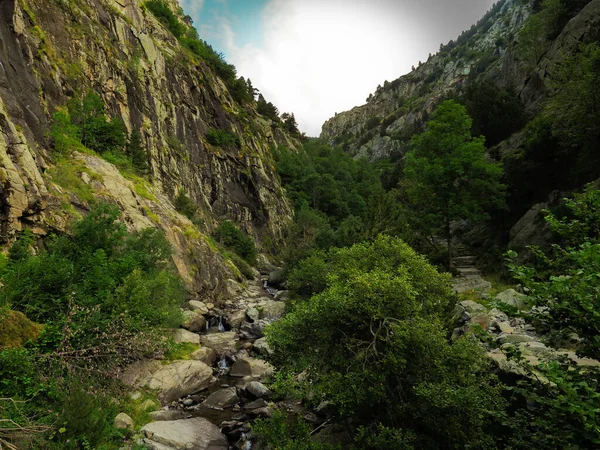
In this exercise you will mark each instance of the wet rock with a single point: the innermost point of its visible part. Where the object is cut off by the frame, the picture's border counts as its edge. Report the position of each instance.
(179, 379)
(283, 296)
(182, 336)
(194, 321)
(190, 434)
(258, 390)
(263, 413)
(256, 404)
(221, 343)
(250, 367)
(123, 421)
(276, 279)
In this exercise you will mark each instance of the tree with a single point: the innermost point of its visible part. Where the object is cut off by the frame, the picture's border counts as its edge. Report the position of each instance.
(136, 150)
(447, 176)
(373, 345)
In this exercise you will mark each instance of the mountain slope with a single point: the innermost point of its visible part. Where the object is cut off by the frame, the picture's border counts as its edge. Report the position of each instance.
(51, 51)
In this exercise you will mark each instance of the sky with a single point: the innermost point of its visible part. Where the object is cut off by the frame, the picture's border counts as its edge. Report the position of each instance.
(316, 58)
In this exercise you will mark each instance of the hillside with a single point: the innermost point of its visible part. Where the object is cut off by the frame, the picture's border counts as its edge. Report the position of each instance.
(52, 51)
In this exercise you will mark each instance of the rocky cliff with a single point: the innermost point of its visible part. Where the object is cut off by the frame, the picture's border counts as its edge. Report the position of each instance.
(52, 50)
(391, 115)
(488, 51)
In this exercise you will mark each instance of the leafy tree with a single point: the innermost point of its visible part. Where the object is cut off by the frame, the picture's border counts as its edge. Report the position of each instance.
(447, 176)
(232, 237)
(267, 109)
(290, 124)
(373, 344)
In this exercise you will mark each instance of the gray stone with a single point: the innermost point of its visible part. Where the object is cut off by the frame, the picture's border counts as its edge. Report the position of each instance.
(276, 279)
(168, 414)
(206, 355)
(182, 336)
(514, 338)
(189, 434)
(236, 318)
(252, 314)
(250, 367)
(283, 296)
(272, 310)
(473, 307)
(504, 327)
(258, 390)
(512, 298)
(254, 330)
(196, 305)
(262, 346)
(123, 421)
(223, 398)
(179, 379)
(194, 321)
(220, 342)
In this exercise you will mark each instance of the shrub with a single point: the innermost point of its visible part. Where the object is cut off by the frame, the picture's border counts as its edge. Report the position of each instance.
(185, 205)
(232, 237)
(222, 138)
(374, 345)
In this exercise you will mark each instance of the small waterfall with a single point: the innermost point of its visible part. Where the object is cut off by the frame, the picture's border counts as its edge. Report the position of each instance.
(271, 290)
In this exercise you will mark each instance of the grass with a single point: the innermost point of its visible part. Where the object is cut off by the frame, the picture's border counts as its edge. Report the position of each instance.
(139, 409)
(178, 352)
(66, 174)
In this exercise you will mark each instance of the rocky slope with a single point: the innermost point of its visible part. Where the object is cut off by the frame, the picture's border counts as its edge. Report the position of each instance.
(488, 51)
(53, 50)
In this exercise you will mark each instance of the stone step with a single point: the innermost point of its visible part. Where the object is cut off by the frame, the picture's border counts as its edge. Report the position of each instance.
(463, 261)
(468, 271)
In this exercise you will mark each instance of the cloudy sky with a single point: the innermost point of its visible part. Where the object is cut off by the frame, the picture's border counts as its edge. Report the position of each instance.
(318, 57)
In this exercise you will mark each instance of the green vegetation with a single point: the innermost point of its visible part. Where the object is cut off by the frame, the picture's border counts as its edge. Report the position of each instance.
(235, 239)
(222, 138)
(103, 296)
(447, 176)
(373, 344)
(84, 126)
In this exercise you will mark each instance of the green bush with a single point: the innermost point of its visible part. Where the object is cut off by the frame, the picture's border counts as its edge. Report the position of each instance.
(233, 238)
(373, 343)
(164, 14)
(185, 205)
(222, 138)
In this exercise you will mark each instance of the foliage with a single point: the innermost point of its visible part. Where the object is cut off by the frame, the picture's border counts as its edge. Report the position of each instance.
(103, 295)
(235, 239)
(566, 279)
(496, 113)
(222, 138)
(373, 344)
(282, 432)
(164, 14)
(561, 412)
(185, 205)
(447, 176)
(136, 151)
(267, 109)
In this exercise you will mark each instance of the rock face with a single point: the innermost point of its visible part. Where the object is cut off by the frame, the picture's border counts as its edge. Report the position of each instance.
(52, 51)
(381, 126)
(189, 434)
(178, 379)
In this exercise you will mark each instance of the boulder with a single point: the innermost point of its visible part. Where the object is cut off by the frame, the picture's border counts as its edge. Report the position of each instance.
(190, 434)
(514, 338)
(283, 296)
(254, 330)
(220, 342)
(196, 305)
(252, 314)
(250, 367)
(168, 414)
(512, 298)
(262, 346)
(272, 310)
(123, 421)
(258, 390)
(182, 336)
(236, 318)
(194, 321)
(473, 307)
(276, 279)
(180, 378)
(206, 355)
(223, 398)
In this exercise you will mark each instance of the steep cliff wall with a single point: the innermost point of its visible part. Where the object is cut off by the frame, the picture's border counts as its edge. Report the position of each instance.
(51, 50)
(385, 123)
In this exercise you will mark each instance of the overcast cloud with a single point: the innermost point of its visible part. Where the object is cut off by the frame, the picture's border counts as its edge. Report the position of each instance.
(319, 57)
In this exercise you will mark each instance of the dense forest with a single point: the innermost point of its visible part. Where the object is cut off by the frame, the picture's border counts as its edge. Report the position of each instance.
(377, 348)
